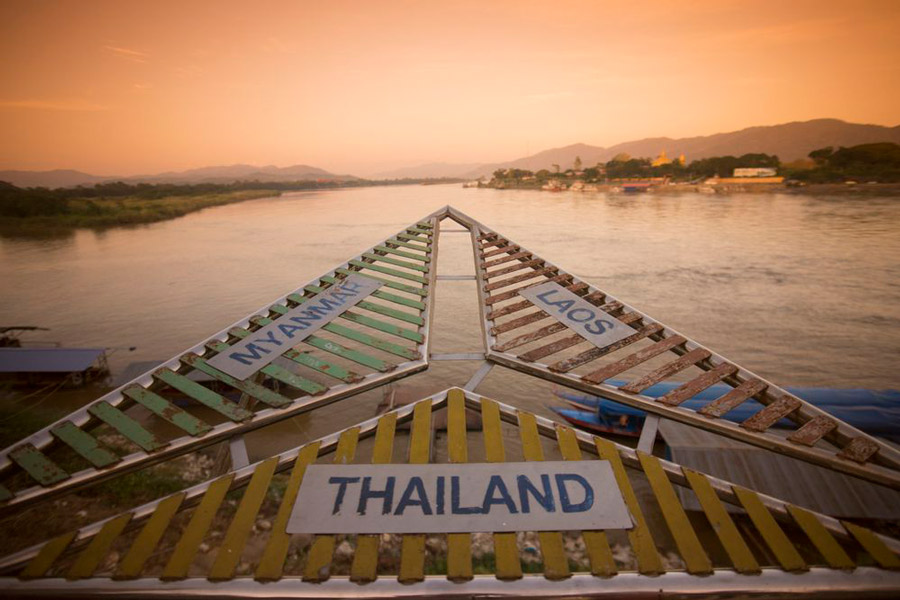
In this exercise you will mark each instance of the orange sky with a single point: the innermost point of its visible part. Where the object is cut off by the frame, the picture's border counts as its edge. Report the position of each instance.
(126, 87)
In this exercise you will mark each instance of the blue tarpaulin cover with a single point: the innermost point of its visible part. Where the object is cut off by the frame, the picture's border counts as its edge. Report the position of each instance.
(47, 360)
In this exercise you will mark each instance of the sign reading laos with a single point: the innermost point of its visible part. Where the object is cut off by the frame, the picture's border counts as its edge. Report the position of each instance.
(268, 343)
(579, 315)
(458, 498)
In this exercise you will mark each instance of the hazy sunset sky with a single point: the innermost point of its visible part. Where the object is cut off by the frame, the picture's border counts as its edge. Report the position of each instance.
(121, 88)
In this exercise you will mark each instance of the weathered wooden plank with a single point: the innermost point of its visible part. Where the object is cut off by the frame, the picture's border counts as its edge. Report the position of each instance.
(271, 565)
(412, 549)
(499, 240)
(249, 387)
(697, 385)
(459, 545)
(365, 558)
(487, 236)
(733, 399)
(695, 558)
(771, 532)
(519, 322)
(389, 283)
(389, 271)
(422, 230)
(513, 268)
(591, 354)
(740, 554)
(89, 558)
(192, 536)
(365, 321)
(515, 292)
(350, 354)
(502, 283)
(395, 330)
(813, 430)
(401, 244)
(383, 295)
(523, 304)
(872, 544)
(390, 312)
(633, 360)
(47, 555)
(506, 550)
(127, 426)
(396, 252)
(395, 262)
(318, 561)
(373, 342)
(236, 537)
(529, 337)
(771, 414)
(275, 372)
(552, 348)
(84, 444)
(602, 562)
(642, 542)
(145, 543)
(860, 449)
(824, 542)
(507, 249)
(413, 238)
(37, 465)
(657, 375)
(556, 564)
(167, 411)
(203, 395)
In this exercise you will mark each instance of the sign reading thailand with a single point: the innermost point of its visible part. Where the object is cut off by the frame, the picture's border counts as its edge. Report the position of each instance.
(579, 315)
(457, 498)
(268, 343)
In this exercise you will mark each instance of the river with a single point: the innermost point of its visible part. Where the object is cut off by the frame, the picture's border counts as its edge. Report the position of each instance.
(803, 290)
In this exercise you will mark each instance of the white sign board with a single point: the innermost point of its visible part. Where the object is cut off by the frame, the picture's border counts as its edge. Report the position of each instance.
(457, 498)
(268, 343)
(579, 315)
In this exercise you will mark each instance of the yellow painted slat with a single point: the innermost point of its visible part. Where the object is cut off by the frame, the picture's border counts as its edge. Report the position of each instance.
(186, 549)
(365, 558)
(883, 555)
(318, 562)
(740, 554)
(778, 542)
(602, 562)
(556, 565)
(824, 542)
(47, 555)
(506, 550)
(145, 543)
(90, 558)
(459, 545)
(642, 542)
(412, 550)
(689, 546)
(236, 537)
(271, 565)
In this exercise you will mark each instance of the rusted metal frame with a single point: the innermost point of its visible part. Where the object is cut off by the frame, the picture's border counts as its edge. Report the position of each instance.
(82, 418)
(723, 489)
(821, 583)
(886, 470)
(194, 494)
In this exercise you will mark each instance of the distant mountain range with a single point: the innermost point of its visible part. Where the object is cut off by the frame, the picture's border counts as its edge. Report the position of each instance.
(222, 174)
(788, 141)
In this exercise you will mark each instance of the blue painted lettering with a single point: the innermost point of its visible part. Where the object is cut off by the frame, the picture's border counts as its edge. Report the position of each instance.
(564, 502)
(587, 317)
(455, 508)
(342, 489)
(416, 486)
(254, 354)
(288, 330)
(366, 493)
(526, 488)
(496, 485)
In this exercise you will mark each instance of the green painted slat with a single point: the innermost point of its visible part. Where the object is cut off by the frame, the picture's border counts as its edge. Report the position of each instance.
(168, 411)
(260, 392)
(402, 253)
(395, 262)
(307, 360)
(84, 444)
(42, 469)
(203, 395)
(390, 312)
(388, 271)
(5, 494)
(425, 225)
(385, 295)
(412, 238)
(396, 330)
(416, 229)
(408, 245)
(125, 425)
(391, 284)
(374, 342)
(354, 355)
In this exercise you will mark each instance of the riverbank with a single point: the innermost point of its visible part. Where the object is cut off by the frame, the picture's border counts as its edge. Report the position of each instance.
(815, 189)
(100, 213)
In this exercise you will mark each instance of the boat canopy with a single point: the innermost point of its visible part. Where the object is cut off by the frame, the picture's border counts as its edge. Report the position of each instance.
(48, 360)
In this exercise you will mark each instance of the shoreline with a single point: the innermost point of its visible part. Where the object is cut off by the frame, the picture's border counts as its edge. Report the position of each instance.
(829, 189)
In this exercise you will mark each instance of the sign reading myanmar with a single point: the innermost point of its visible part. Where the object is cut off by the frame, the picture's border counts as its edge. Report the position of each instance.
(457, 498)
(579, 315)
(268, 343)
